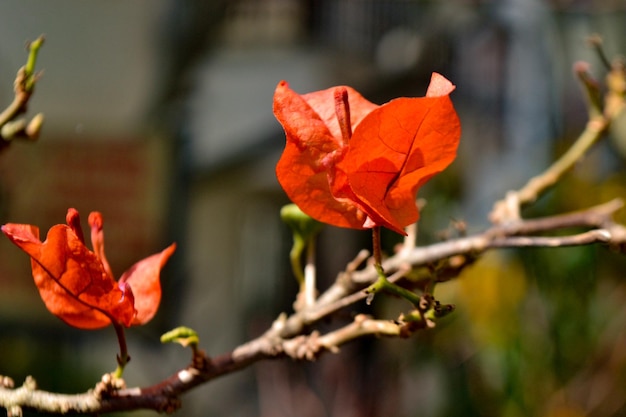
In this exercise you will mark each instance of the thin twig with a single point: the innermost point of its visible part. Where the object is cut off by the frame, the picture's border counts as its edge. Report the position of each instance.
(288, 337)
(23, 88)
(601, 116)
(507, 210)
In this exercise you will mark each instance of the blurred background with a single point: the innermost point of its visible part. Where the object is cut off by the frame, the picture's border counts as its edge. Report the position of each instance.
(159, 115)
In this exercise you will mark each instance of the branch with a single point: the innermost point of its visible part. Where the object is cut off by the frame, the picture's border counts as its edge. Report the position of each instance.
(289, 336)
(10, 126)
(601, 115)
(512, 235)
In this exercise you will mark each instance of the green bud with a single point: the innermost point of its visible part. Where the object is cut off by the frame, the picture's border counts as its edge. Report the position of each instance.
(183, 335)
(304, 229)
(301, 224)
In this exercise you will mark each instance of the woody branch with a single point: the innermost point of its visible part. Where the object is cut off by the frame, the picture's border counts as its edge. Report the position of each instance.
(287, 336)
(11, 126)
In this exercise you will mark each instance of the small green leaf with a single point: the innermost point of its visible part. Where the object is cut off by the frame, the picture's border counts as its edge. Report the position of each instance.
(29, 68)
(183, 335)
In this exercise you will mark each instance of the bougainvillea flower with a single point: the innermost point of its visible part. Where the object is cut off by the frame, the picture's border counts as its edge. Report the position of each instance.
(77, 285)
(351, 163)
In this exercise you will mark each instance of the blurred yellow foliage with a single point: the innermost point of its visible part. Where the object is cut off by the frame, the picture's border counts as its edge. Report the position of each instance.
(490, 292)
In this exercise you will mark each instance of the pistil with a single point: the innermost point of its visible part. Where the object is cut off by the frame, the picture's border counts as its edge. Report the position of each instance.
(342, 111)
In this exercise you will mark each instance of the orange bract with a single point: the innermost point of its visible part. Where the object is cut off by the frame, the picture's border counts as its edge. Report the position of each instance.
(351, 163)
(76, 284)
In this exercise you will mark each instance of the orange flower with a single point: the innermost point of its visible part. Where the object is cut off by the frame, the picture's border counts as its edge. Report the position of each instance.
(351, 163)
(77, 284)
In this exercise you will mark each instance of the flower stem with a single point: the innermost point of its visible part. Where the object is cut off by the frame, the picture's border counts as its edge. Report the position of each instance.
(376, 249)
(382, 283)
(123, 358)
(304, 230)
(309, 286)
(295, 256)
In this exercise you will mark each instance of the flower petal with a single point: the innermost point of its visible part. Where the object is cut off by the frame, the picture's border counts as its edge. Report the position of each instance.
(307, 164)
(439, 86)
(323, 103)
(71, 280)
(144, 280)
(396, 149)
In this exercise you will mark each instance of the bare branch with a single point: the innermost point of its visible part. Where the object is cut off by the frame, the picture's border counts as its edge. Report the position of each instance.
(288, 337)
(11, 126)
(601, 115)
(508, 209)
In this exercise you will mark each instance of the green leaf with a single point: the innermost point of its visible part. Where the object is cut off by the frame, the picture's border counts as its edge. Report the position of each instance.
(183, 335)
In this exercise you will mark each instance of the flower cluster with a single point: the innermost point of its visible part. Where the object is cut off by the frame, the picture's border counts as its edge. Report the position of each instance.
(77, 284)
(351, 163)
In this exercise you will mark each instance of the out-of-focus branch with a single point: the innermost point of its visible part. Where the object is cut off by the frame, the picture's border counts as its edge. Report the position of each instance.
(601, 115)
(11, 126)
(508, 209)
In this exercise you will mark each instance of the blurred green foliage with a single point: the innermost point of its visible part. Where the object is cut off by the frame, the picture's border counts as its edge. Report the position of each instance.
(537, 332)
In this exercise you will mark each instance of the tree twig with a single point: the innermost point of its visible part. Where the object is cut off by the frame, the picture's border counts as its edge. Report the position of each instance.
(289, 335)
(601, 115)
(23, 87)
